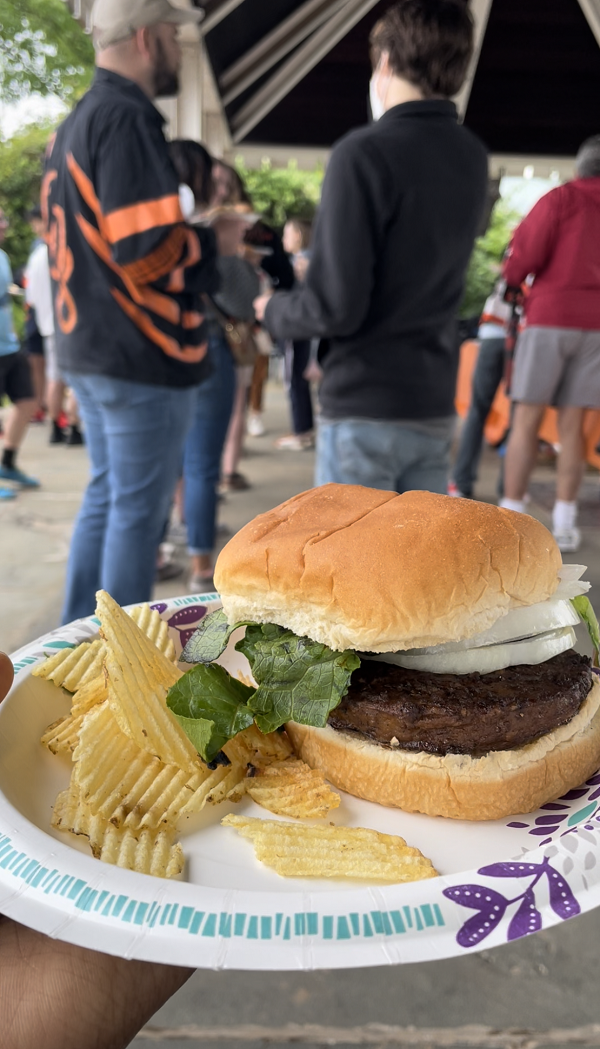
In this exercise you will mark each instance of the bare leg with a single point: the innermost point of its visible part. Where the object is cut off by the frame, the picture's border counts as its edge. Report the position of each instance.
(571, 458)
(16, 425)
(235, 434)
(521, 450)
(55, 396)
(37, 365)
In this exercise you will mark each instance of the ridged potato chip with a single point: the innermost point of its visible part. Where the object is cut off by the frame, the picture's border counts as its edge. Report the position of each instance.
(72, 668)
(62, 736)
(139, 677)
(90, 695)
(155, 629)
(292, 788)
(131, 788)
(147, 852)
(253, 747)
(296, 850)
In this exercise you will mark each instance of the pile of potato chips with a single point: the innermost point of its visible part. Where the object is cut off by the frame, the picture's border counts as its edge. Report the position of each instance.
(136, 776)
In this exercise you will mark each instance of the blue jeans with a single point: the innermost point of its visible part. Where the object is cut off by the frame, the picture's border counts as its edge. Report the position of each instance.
(204, 447)
(134, 435)
(382, 454)
(486, 379)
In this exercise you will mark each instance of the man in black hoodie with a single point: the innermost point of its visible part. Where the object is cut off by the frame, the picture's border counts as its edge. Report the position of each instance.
(402, 202)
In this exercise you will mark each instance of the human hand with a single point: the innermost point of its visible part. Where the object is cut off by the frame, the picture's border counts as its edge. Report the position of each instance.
(63, 997)
(260, 304)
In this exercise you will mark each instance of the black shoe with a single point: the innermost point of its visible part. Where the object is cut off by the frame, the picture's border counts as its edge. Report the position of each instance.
(75, 437)
(58, 435)
(168, 570)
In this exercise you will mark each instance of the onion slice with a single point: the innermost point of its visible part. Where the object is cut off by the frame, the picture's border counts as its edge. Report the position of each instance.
(517, 624)
(484, 660)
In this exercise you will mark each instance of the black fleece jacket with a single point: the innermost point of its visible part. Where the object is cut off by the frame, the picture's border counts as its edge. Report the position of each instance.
(401, 204)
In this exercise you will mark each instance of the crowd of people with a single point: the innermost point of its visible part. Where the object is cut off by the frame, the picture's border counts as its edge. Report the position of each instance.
(193, 292)
(157, 295)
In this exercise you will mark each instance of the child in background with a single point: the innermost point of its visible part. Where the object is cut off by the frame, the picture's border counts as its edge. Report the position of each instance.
(296, 241)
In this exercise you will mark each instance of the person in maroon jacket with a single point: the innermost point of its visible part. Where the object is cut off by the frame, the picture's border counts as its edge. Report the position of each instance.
(557, 359)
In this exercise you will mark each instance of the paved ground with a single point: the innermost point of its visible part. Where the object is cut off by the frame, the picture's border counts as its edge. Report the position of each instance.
(545, 982)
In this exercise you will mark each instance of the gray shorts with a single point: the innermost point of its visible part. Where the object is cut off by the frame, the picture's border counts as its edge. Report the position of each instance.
(558, 367)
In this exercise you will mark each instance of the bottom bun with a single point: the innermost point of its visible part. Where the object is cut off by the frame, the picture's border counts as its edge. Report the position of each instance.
(501, 783)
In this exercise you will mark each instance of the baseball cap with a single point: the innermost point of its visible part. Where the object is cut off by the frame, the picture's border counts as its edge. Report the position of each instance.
(116, 20)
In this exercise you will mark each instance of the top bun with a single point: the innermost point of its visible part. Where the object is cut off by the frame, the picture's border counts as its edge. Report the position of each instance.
(360, 568)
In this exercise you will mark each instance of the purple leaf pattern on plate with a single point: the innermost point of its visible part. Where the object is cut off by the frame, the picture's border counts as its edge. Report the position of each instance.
(160, 607)
(527, 920)
(562, 899)
(491, 905)
(512, 870)
(187, 616)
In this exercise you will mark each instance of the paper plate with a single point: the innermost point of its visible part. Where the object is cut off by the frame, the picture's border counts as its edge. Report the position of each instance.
(499, 881)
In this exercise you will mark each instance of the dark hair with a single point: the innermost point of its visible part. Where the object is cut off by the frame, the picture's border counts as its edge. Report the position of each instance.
(587, 162)
(429, 43)
(193, 164)
(35, 212)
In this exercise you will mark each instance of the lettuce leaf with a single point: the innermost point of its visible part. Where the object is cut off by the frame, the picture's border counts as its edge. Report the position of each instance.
(210, 639)
(211, 707)
(583, 607)
(298, 679)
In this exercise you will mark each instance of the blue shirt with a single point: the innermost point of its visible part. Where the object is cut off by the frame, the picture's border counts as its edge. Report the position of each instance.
(8, 340)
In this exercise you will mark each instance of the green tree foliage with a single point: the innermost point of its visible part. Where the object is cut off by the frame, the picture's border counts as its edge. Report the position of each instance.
(42, 50)
(21, 163)
(484, 267)
(282, 193)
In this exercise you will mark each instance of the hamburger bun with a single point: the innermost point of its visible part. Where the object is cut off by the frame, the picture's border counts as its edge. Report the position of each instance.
(374, 571)
(501, 783)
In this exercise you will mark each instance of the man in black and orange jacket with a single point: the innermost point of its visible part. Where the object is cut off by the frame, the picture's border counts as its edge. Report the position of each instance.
(128, 276)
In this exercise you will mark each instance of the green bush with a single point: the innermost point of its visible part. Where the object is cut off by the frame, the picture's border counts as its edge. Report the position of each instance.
(282, 193)
(484, 267)
(21, 164)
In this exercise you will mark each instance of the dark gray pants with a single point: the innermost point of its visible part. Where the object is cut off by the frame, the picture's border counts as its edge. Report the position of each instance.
(486, 379)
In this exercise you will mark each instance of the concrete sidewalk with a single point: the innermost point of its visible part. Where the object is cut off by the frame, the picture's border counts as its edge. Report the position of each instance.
(545, 982)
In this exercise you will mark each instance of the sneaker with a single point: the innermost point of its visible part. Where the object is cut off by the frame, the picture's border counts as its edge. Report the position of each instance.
(18, 477)
(454, 491)
(233, 483)
(39, 416)
(168, 570)
(201, 584)
(568, 540)
(75, 437)
(7, 493)
(296, 442)
(255, 426)
(57, 435)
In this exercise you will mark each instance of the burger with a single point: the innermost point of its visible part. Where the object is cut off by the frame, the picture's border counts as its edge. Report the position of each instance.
(418, 649)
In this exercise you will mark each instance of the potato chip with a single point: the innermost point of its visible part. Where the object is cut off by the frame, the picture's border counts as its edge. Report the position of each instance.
(62, 736)
(292, 788)
(139, 677)
(90, 695)
(300, 851)
(131, 788)
(147, 852)
(73, 667)
(253, 747)
(155, 629)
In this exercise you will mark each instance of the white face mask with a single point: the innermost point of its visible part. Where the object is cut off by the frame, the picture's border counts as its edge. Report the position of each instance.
(187, 201)
(377, 106)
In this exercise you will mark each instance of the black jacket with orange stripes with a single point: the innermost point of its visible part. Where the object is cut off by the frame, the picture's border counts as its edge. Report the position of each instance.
(127, 272)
